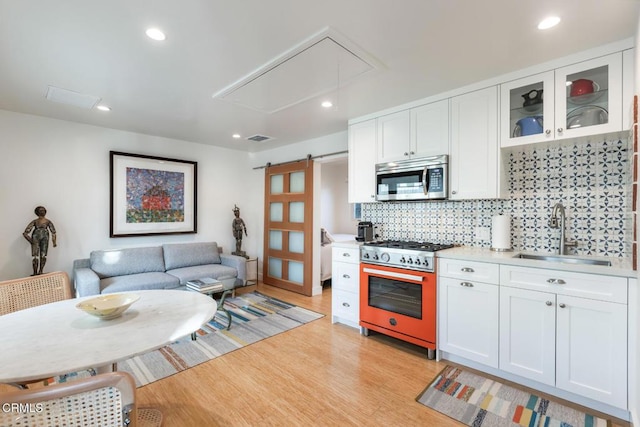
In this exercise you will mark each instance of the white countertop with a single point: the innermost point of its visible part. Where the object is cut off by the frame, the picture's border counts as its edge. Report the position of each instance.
(619, 266)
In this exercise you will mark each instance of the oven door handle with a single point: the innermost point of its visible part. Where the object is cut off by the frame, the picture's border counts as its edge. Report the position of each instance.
(403, 276)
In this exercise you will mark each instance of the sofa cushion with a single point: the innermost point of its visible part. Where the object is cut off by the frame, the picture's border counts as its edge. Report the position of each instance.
(120, 262)
(138, 282)
(179, 255)
(215, 271)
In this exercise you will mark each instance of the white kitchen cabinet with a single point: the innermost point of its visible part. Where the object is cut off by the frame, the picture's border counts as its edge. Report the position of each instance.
(394, 132)
(473, 164)
(362, 162)
(468, 310)
(590, 330)
(591, 349)
(628, 82)
(418, 132)
(345, 285)
(528, 334)
(430, 129)
(578, 100)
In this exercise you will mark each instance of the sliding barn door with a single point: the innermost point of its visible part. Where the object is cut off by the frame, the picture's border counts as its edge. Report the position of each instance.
(288, 217)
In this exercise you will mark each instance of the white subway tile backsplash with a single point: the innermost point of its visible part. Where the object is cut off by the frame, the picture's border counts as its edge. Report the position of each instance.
(592, 180)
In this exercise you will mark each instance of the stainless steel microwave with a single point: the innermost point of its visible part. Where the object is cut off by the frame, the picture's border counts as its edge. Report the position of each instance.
(426, 178)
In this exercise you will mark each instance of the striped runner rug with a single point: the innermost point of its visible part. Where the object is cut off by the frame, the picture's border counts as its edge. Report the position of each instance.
(255, 317)
(479, 401)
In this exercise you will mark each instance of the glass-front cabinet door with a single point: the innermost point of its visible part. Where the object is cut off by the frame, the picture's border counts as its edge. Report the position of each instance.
(589, 97)
(574, 101)
(527, 111)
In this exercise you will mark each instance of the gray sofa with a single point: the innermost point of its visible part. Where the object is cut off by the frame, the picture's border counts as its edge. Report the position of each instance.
(168, 266)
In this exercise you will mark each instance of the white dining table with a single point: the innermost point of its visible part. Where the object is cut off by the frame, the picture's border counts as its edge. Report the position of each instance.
(58, 338)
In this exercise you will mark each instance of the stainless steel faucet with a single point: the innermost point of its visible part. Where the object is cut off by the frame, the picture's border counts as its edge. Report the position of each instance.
(558, 210)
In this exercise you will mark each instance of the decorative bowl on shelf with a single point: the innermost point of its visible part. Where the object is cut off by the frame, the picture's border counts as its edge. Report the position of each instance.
(587, 115)
(107, 307)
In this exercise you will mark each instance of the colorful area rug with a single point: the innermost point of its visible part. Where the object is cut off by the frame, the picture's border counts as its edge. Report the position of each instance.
(255, 317)
(478, 401)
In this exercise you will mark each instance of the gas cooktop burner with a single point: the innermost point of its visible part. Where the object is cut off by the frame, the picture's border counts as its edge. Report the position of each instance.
(416, 246)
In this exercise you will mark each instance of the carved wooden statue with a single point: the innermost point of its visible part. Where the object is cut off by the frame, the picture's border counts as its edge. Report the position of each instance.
(238, 227)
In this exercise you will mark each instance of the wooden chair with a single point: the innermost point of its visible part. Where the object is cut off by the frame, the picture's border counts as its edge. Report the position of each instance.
(18, 294)
(104, 400)
(27, 292)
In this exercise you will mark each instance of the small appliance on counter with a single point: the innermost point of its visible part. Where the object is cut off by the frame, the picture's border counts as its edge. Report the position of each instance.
(365, 231)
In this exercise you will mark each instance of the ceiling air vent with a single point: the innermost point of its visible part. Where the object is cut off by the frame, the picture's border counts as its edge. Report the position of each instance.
(258, 138)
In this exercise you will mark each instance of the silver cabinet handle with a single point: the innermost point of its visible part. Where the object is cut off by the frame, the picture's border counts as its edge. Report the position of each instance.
(562, 305)
(548, 303)
(548, 132)
(346, 276)
(467, 270)
(560, 130)
(406, 154)
(346, 254)
(346, 304)
(412, 153)
(556, 281)
(454, 192)
(466, 284)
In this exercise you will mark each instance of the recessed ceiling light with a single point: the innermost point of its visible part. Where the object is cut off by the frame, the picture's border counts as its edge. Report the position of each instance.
(103, 108)
(327, 104)
(155, 34)
(236, 135)
(548, 22)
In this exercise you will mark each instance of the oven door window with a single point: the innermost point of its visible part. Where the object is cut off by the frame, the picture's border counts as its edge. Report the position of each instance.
(396, 296)
(400, 183)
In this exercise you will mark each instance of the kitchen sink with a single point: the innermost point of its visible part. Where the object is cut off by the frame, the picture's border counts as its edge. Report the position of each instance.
(565, 259)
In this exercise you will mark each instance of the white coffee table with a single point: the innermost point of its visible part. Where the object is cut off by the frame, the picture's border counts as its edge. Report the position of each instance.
(58, 338)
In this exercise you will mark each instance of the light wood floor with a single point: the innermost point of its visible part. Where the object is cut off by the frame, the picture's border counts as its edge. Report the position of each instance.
(317, 374)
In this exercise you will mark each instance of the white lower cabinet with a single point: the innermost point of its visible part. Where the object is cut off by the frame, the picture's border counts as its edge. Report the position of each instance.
(527, 334)
(566, 330)
(468, 310)
(591, 349)
(555, 336)
(345, 285)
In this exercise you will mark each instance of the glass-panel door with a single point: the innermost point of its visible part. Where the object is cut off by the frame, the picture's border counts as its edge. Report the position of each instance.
(527, 110)
(589, 97)
(288, 226)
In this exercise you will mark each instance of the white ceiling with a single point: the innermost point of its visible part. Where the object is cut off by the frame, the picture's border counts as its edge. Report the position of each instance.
(420, 48)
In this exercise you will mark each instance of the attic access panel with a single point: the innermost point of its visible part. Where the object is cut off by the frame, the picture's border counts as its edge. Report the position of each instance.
(317, 66)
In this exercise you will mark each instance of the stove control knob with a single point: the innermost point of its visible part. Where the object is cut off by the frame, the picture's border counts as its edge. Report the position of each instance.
(402, 260)
(417, 261)
(385, 257)
(366, 255)
(409, 261)
(426, 262)
(375, 256)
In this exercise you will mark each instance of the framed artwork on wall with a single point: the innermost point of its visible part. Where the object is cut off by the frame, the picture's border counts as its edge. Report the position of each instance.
(152, 195)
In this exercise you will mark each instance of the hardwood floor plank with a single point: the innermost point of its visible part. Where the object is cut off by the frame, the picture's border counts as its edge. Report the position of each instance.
(317, 374)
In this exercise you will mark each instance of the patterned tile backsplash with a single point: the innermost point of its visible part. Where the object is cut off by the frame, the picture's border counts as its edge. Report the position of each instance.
(592, 180)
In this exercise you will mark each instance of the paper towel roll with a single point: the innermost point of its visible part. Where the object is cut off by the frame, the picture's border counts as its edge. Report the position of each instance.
(501, 233)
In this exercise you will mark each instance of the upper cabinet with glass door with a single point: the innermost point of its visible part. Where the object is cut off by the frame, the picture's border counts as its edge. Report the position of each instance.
(574, 101)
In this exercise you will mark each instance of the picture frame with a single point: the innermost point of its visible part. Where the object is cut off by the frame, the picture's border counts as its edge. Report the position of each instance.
(152, 195)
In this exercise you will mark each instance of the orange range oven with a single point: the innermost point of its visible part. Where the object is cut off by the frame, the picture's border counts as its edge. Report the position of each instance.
(400, 303)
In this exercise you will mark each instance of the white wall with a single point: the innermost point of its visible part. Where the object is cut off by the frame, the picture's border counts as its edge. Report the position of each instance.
(335, 211)
(64, 166)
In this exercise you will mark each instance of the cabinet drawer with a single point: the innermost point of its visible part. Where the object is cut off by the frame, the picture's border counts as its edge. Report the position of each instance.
(593, 286)
(345, 276)
(469, 270)
(345, 305)
(351, 255)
